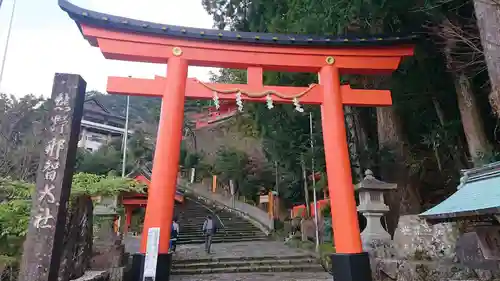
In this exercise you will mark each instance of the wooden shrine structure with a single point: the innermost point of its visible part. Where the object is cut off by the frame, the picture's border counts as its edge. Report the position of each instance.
(132, 200)
(213, 115)
(126, 39)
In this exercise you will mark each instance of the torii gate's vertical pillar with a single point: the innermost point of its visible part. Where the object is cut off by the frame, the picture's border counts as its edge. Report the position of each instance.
(349, 262)
(161, 193)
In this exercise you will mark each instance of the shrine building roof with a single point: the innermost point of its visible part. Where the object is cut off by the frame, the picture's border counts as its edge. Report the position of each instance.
(478, 194)
(92, 18)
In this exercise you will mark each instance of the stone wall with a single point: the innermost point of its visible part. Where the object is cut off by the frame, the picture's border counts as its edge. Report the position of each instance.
(94, 276)
(108, 251)
(77, 249)
(423, 252)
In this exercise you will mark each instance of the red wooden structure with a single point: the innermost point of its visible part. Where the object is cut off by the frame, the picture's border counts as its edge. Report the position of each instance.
(214, 115)
(132, 201)
(179, 47)
(300, 210)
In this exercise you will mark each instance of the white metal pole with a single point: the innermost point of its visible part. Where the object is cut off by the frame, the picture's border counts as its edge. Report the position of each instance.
(125, 139)
(314, 182)
(124, 146)
(8, 39)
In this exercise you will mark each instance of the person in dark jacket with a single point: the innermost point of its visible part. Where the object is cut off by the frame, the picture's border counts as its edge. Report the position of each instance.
(174, 234)
(209, 230)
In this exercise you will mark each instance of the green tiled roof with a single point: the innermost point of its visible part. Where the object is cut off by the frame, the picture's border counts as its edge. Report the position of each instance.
(478, 194)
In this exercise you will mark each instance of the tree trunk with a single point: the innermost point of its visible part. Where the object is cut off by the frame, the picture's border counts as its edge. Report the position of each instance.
(477, 142)
(488, 21)
(353, 142)
(457, 153)
(406, 199)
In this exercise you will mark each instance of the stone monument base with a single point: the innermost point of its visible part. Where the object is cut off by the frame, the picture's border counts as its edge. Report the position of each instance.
(94, 276)
(163, 267)
(351, 267)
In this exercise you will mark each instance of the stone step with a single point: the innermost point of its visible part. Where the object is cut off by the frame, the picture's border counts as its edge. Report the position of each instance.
(196, 223)
(222, 240)
(272, 261)
(222, 231)
(264, 268)
(218, 221)
(224, 221)
(235, 222)
(225, 232)
(228, 237)
(241, 258)
(226, 226)
(229, 226)
(203, 216)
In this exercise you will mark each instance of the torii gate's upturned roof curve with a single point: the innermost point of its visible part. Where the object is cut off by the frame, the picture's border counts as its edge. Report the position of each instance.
(92, 18)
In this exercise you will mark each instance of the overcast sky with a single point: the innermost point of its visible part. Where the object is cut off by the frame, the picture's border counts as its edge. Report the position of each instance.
(45, 40)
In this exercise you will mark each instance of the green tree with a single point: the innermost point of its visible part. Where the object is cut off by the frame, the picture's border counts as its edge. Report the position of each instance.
(100, 162)
(21, 125)
(231, 164)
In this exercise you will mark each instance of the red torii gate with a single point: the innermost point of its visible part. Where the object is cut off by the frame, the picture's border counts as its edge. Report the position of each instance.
(131, 40)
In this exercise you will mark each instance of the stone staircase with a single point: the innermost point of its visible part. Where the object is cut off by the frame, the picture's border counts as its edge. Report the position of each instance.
(294, 263)
(231, 228)
(253, 257)
(239, 247)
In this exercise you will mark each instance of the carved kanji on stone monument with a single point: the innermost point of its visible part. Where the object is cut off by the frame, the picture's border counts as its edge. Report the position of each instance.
(42, 249)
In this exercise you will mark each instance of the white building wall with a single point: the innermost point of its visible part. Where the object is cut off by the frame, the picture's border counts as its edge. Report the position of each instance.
(92, 141)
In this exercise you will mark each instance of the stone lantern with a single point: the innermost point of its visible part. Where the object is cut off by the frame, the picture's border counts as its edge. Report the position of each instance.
(372, 206)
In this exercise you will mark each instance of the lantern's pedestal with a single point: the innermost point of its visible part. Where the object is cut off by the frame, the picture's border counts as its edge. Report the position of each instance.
(163, 267)
(374, 230)
(351, 267)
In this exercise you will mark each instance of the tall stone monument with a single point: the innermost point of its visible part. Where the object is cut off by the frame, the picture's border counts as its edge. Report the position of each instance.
(44, 241)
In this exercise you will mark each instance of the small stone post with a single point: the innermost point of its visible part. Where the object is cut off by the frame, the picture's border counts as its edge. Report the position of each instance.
(372, 206)
(44, 241)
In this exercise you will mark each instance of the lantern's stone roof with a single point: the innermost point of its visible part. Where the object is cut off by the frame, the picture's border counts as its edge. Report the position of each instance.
(478, 195)
(91, 18)
(369, 182)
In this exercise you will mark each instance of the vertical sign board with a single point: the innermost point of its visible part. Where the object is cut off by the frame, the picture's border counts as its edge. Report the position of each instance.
(44, 241)
(193, 170)
(151, 259)
(233, 191)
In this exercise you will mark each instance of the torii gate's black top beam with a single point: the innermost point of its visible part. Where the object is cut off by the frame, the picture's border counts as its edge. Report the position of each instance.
(92, 18)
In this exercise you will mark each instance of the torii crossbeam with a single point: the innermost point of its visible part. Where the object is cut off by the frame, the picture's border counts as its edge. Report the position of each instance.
(179, 47)
(199, 90)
